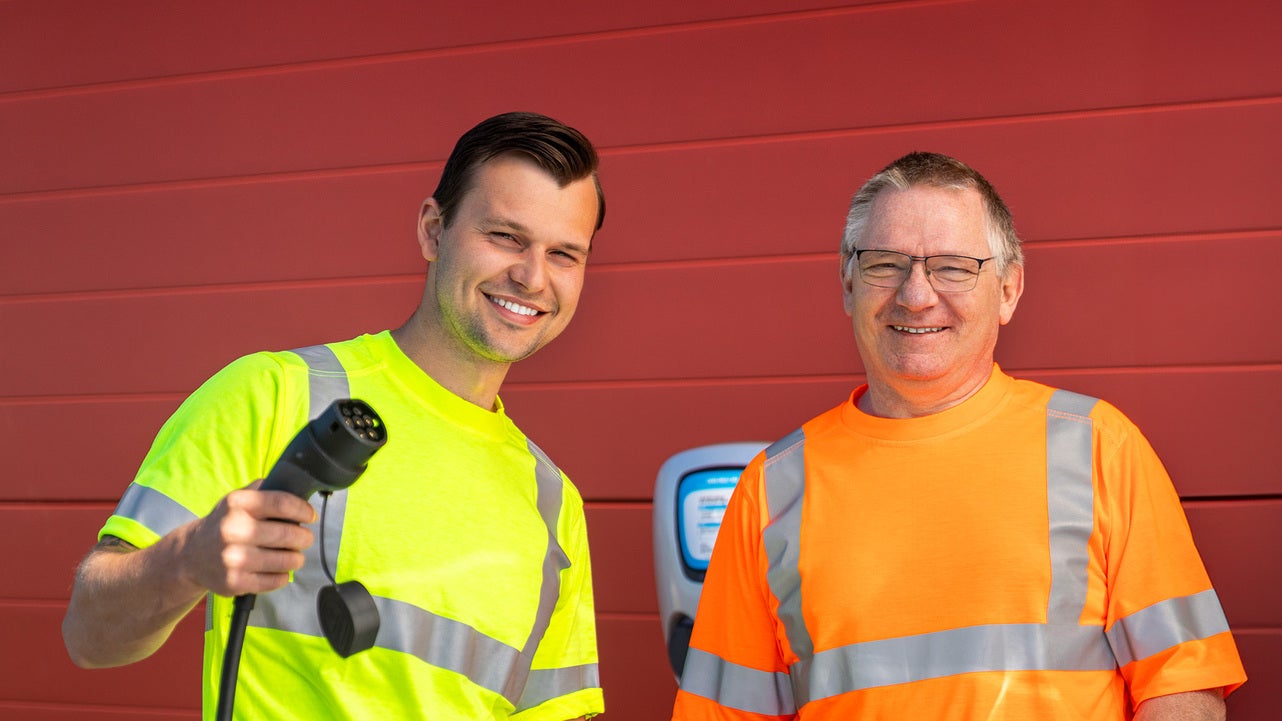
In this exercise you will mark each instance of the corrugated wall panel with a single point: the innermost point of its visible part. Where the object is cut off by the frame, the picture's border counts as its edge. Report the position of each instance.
(746, 198)
(181, 184)
(150, 38)
(794, 74)
(42, 673)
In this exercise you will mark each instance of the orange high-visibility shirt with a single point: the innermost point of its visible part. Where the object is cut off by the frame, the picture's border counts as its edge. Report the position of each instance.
(937, 568)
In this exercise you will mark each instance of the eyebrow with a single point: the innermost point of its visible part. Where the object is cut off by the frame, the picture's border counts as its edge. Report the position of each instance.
(505, 222)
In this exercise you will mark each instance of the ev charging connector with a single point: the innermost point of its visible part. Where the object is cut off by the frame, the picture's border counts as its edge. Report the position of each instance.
(327, 455)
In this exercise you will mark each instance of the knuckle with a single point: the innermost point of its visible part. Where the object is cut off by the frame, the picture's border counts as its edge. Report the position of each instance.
(237, 499)
(234, 528)
(234, 557)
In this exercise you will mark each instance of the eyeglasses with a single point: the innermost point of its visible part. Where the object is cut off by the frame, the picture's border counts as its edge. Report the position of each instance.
(946, 273)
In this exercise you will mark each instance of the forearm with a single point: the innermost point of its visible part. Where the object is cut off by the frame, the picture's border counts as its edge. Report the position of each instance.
(1205, 705)
(126, 602)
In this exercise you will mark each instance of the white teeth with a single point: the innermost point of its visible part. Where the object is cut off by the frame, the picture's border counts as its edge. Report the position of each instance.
(906, 329)
(515, 308)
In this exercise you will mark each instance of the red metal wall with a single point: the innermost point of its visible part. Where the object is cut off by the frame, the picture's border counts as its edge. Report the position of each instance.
(182, 182)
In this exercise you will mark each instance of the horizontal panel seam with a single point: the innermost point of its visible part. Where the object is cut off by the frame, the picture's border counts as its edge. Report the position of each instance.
(607, 151)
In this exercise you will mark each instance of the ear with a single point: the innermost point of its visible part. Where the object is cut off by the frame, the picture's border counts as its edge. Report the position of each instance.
(1011, 289)
(431, 224)
(847, 289)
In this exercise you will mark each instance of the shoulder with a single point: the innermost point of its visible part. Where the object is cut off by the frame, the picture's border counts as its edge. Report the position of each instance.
(256, 371)
(364, 354)
(826, 424)
(1032, 394)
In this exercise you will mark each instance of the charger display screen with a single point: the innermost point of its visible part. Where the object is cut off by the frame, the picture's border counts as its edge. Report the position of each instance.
(701, 503)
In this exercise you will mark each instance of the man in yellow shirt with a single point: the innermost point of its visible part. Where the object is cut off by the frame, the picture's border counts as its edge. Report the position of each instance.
(470, 541)
(951, 543)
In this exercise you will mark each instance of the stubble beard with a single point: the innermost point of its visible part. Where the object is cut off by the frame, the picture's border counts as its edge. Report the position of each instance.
(473, 333)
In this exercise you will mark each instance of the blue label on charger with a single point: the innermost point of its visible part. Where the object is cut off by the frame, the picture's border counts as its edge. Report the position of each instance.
(701, 503)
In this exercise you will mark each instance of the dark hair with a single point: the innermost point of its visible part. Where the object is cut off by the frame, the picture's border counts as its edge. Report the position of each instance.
(561, 151)
(939, 171)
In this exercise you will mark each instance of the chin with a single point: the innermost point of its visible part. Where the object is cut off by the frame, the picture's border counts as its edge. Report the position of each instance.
(918, 370)
(511, 353)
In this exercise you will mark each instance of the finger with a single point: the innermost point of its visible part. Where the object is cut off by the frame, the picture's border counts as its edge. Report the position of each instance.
(282, 535)
(272, 570)
(271, 504)
(272, 547)
(286, 507)
(254, 570)
(257, 583)
(274, 561)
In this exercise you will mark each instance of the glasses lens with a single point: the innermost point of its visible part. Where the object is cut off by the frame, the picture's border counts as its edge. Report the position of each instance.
(952, 272)
(884, 268)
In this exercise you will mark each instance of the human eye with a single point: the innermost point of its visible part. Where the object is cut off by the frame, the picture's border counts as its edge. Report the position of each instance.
(954, 267)
(566, 258)
(882, 263)
(503, 238)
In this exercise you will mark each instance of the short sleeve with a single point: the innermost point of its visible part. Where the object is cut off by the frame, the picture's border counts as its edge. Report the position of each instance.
(224, 436)
(1164, 620)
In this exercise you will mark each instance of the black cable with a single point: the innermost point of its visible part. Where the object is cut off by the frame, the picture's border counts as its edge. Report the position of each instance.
(323, 513)
(231, 656)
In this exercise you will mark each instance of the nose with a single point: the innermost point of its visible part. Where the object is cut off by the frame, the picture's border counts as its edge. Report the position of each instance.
(530, 271)
(916, 293)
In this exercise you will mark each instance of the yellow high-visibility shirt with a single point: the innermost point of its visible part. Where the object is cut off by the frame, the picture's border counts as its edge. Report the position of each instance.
(472, 543)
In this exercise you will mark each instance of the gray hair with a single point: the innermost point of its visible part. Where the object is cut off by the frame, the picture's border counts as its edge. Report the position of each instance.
(938, 171)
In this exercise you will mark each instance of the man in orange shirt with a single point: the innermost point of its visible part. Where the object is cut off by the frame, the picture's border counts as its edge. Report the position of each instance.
(950, 542)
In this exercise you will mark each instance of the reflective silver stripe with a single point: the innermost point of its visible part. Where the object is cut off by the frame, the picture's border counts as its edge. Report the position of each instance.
(1169, 623)
(740, 687)
(445, 643)
(999, 647)
(1070, 502)
(1060, 644)
(293, 607)
(153, 509)
(737, 687)
(548, 483)
(436, 640)
(545, 684)
(327, 380)
(785, 480)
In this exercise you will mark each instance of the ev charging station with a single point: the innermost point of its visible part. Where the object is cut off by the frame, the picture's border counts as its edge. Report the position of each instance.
(690, 496)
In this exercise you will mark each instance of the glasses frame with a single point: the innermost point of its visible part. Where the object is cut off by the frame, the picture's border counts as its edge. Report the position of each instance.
(922, 259)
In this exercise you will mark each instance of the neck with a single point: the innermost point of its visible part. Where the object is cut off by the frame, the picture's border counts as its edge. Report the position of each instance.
(473, 379)
(909, 399)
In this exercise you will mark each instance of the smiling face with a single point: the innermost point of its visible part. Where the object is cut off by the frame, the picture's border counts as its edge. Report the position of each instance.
(507, 267)
(925, 351)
